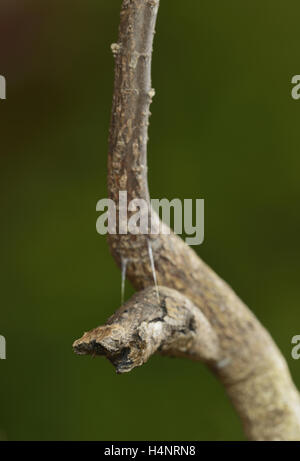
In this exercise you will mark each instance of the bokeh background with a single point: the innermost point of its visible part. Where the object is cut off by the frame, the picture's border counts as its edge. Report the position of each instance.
(224, 128)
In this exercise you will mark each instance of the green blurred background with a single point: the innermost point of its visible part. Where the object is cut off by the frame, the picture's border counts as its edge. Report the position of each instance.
(224, 128)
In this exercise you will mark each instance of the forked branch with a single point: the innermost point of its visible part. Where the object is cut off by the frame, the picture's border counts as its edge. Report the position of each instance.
(198, 316)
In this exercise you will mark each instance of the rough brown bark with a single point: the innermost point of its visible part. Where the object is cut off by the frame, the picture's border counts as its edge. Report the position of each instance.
(227, 335)
(142, 326)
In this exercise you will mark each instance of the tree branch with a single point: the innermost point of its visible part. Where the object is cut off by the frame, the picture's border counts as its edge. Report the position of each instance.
(236, 346)
(142, 326)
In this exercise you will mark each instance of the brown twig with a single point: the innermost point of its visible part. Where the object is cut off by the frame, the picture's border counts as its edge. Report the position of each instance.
(142, 326)
(236, 346)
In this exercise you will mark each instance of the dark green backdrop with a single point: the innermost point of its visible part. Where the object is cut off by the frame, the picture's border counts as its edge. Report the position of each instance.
(224, 128)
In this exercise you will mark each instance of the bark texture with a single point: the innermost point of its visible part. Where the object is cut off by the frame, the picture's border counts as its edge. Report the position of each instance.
(199, 315)
(142, 326)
